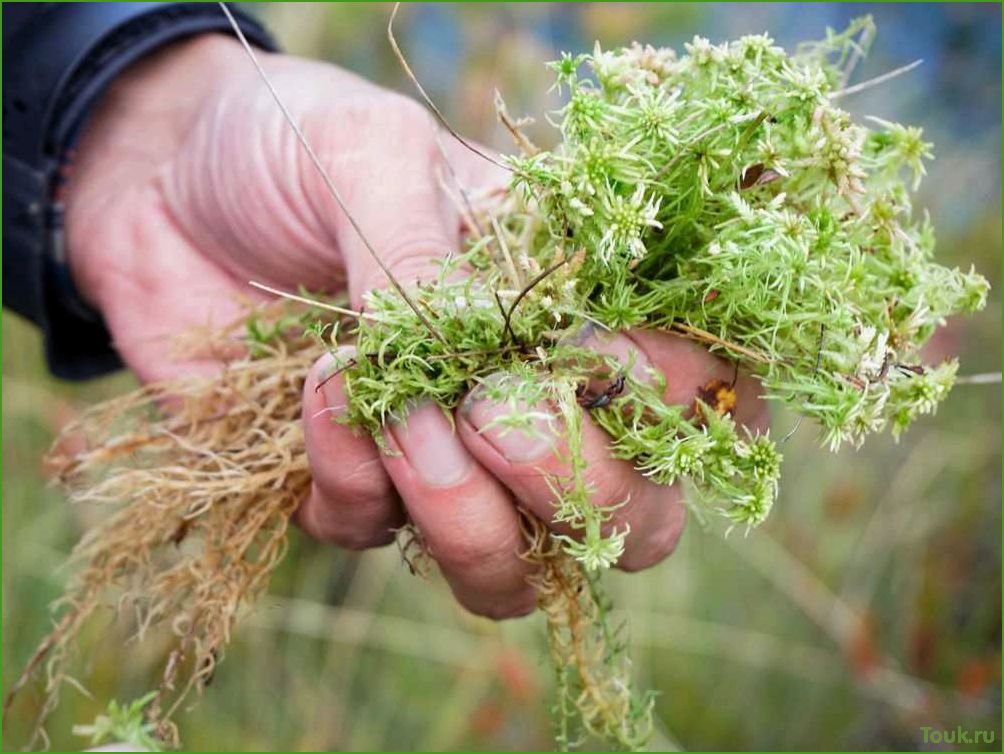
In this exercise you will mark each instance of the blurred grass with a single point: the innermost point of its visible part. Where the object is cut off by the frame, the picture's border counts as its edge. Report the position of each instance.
(869, 606)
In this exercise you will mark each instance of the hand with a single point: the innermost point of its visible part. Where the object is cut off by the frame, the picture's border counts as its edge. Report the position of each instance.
(189, 183)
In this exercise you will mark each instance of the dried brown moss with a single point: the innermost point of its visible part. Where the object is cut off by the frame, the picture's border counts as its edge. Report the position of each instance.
(203, 493)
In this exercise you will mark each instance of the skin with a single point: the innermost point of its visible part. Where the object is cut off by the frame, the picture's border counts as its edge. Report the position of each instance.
(188, 183)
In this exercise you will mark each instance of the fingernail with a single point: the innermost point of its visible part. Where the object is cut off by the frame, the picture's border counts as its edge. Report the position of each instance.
(431, 447)
(516, 445)
(332, 389)
(620, 347)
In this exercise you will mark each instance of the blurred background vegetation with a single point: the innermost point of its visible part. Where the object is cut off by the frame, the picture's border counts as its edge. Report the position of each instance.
(868, 606)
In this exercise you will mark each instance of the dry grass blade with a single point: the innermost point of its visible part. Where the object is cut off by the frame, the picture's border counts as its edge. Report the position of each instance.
(988, 378)
(428, 100)
(310, 301)
(514, 127)
(873, 82)
(543, 275)
(703, 336)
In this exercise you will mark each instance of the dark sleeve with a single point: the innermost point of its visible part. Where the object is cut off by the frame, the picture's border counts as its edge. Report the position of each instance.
(58, 58)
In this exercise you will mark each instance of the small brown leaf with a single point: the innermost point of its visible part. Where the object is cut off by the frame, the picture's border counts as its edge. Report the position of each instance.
(750, 176)
(757, 175)
(719, 395)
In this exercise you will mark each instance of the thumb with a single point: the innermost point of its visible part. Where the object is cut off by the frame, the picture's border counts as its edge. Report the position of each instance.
(398, 204)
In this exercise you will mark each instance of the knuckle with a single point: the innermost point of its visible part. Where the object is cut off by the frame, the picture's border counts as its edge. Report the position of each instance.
(411, 252)
(415, 245)
(352, 529)
(370, 120)
(645, 550)
(484, 554)
(356, 538)
(502, 608)
(384, 117)
(469, 553)
(410, 115)
(361, 487)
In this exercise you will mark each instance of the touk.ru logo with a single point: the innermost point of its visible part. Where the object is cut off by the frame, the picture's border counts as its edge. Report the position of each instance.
(959, 735)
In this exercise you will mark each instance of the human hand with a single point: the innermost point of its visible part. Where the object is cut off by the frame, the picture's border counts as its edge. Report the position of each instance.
(188, 185)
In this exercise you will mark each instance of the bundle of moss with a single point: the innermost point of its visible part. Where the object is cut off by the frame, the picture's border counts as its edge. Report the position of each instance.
(722, 195)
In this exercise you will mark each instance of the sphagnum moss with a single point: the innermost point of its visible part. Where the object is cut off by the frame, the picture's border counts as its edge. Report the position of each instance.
(721, 194)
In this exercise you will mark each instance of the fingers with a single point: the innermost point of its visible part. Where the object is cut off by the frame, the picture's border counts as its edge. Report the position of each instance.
(467, 518)
(352, 501)
(528, 464)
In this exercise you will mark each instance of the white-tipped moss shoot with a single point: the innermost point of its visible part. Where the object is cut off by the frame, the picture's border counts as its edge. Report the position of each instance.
(721, 193)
